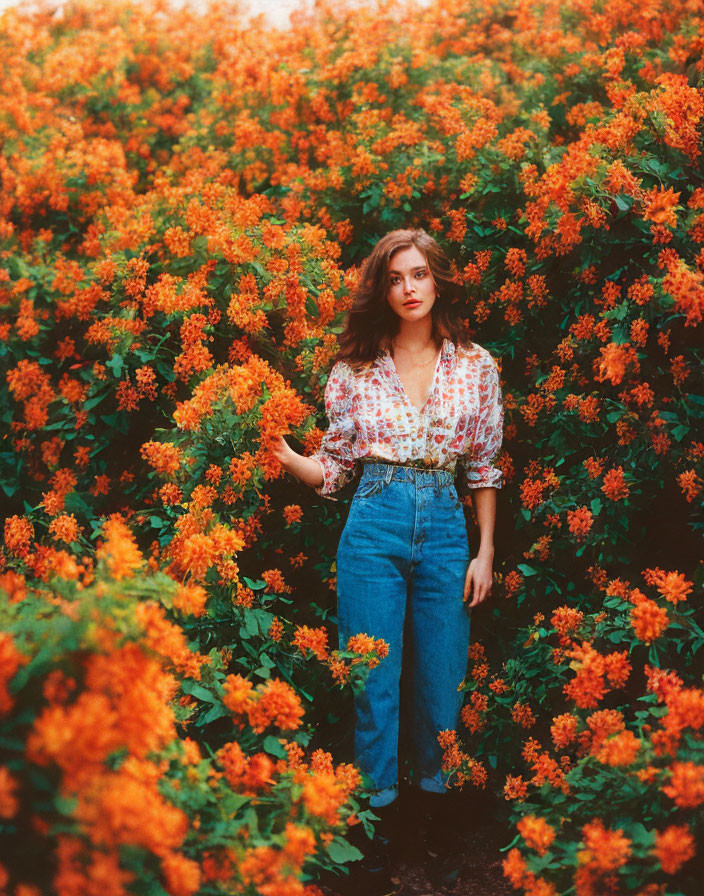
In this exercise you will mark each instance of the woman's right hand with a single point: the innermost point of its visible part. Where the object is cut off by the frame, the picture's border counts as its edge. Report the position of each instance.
(307, 469)
(283, 452)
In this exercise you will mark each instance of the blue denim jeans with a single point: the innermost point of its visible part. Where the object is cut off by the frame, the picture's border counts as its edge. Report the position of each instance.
(404, 549)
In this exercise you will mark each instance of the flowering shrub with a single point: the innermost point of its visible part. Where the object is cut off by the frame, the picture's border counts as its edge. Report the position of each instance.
(185, 201)
(106, 777)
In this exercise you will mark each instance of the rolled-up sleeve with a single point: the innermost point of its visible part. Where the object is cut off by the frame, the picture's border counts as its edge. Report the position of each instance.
(476, 465)
(336, 455)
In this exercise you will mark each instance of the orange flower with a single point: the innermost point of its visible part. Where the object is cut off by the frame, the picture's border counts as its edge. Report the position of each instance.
(537, 833)
(604, 849)
(237, 694)
(673, 586)
(673, 847)
(580, 521)
(190, 599)
(276, 629)
(119, 550)
(313, 639)
(168, 640)
(604, 723)
(292, 514)
(278, 704)
(589, 686)
(523, 715)
(615, 486)
(182, 875)
(247, 775)
(660, 205)
(164, 457)
(532, 493)
(106, 809)
(515, 788)
(323, 796)
(275, 581)
(10, 661)
(649, 620)
(686, 785)
(563, 730)
(364, 644)
(64, 528)
(690, 484)
(566, 619)
(613, 362)
(19, 532)
(621, 749)
(9, 804)
(515, 868)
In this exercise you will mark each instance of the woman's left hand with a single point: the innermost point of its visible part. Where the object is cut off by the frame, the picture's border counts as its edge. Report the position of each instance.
(480, 577)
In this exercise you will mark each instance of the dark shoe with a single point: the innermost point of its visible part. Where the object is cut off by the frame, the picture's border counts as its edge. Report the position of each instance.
(438, 824)
(371, 876)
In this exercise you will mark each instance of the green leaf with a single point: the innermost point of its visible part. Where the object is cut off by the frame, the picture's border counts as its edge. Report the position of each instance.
(216, 712)
(274, 748)
(340, 851)
(199, 692)
(115, 364)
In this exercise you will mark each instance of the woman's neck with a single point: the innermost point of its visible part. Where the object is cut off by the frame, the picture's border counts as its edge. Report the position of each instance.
(415, 335)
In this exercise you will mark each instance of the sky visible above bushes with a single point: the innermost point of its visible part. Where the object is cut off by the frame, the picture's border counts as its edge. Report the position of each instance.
(277, 11)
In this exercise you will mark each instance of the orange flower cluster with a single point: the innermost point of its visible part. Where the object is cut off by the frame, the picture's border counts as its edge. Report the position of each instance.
(276, 872)
(537, 833)
(516, 870)
(580, 521)
(595, 674)
(119, 550)
(11, 659)
(164, 457)
(604, 852)
(615, 487)
(371, 650)
(464, 768)
(271, 703)
(313, 639)
(249, 775)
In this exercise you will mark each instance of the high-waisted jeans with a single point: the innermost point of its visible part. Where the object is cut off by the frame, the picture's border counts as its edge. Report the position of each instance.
(403, 549)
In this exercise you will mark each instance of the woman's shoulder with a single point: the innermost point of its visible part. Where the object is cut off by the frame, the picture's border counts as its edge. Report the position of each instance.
(471, 353)
(349, 370)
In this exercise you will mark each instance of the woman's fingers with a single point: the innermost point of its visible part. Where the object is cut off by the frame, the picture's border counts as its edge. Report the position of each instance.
(468, 583)
(478, 583)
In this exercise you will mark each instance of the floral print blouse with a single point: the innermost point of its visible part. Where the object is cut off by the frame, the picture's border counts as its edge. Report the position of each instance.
(370, 415)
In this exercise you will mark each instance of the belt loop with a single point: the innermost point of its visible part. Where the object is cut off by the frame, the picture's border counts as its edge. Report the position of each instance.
(389, 474)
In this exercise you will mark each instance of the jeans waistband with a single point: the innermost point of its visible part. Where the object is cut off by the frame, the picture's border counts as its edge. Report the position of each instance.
(409, 472)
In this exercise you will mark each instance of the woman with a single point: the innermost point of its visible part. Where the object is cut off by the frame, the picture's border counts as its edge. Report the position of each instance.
(413, 401)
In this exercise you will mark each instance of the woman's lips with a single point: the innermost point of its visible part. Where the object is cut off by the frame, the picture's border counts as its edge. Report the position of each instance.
(411, 304)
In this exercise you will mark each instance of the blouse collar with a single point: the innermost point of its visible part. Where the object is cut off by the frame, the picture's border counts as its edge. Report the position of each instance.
(447, 354)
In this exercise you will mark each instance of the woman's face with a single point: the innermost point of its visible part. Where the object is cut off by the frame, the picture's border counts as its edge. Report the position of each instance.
(411, 285)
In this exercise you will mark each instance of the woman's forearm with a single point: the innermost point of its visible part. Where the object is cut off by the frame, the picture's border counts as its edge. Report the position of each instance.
(307, 469)
(485, 510)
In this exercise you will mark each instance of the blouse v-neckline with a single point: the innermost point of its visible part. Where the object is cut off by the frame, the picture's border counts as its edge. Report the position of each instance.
(399, 383)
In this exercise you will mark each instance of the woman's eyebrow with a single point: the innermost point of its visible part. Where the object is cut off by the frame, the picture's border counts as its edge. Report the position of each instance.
(418, 267)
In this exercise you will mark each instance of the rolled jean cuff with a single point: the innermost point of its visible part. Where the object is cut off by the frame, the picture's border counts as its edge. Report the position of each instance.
(385, 797)
(432, 785)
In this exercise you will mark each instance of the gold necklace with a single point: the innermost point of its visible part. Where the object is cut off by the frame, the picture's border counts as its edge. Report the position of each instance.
(423, 364)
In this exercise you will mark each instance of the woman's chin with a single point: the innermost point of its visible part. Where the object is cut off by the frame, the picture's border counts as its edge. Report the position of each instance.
(414, 313)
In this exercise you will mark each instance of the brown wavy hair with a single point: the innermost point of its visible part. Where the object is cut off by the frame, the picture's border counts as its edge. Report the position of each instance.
(371, 323)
